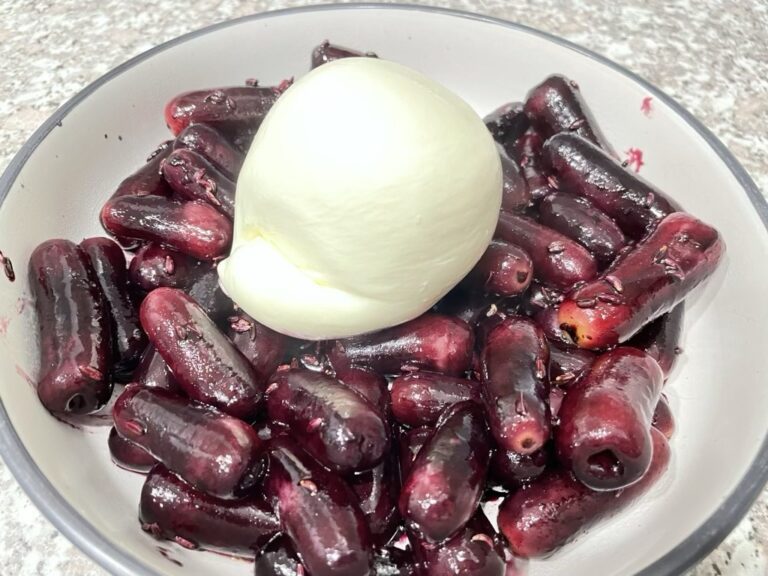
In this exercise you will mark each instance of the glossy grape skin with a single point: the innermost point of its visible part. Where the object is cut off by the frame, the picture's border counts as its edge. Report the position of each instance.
(204, 362)
(75, 329)
(319, 513)
(643, 284)
(445, 481)
(605, 419)
(171, 509)
(214, 452)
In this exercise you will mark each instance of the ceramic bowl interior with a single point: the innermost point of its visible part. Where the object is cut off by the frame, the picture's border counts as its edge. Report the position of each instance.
(56, 185)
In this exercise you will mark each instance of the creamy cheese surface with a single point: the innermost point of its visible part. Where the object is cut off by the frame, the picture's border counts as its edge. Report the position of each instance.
(369, 191)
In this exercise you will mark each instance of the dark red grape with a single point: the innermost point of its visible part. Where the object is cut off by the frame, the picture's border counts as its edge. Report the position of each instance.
(263, 347)
(583, 168)
(377, 491)
(128, 340)
(515, 388)
(504, 270)
(279, 558)
(556, 508)
(147, 180)
(333, 423)
(192, 177)
(204, 362)
(476, 550)
(369, 384)
(213, 146)
(605, 420)
(577, 218)
(507, 123)
(214, 452)
(515, 194)
(75, 329)
(430, 342)
(558, 261)
(319, 513)
(129, 455)
(411, 441)
(514, 470)
(419, 398)
(225, 108)
(556, 106)
(153, 372)
(526, 151)
(327, 52)
(567, 365)
(661, 338)
(446, 480)
(643, 284)
(171, 509)
(663, 419)
(192, 228)
(154, 266)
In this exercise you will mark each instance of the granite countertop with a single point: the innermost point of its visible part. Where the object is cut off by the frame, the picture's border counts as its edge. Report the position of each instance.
(711, 56)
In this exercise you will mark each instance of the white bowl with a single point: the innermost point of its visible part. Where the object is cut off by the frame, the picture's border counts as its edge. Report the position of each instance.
(57, 182)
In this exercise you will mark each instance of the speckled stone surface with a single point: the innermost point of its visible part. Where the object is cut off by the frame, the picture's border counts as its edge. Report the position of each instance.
(711, 56)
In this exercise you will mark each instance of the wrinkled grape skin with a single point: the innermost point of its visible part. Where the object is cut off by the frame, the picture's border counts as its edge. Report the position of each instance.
(319, 513)
(584, 169)
(128, 340)
(75, 329)
(333, 423)
(213, 146)
(580, 220)
(419, 398)
(558, 261)
(609, 413)
(128, 455)
(193, 228)
(555, 105)
(204, 362)
(214, 452)
(643, 284)
(430, 342)
(515, 388)
(171, 509)
(557, 508)
(446, 480)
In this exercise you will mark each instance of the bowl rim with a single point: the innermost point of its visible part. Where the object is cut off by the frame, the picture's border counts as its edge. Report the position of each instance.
(81, 533)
